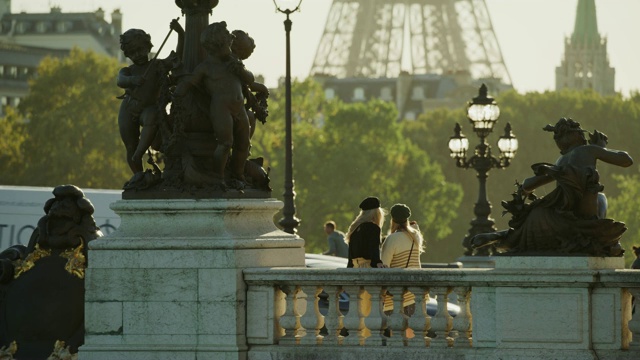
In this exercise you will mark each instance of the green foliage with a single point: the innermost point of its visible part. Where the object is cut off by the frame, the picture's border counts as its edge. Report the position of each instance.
(13, 132)
(626, 208)
(345, 152)
(72, 130)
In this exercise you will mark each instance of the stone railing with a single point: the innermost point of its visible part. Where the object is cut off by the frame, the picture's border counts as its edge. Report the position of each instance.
(497, 313)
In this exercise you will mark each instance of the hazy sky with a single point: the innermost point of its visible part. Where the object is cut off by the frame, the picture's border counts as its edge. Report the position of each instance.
(531, 33)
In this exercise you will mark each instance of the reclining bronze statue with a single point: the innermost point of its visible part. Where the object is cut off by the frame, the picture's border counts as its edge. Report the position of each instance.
(570, 220)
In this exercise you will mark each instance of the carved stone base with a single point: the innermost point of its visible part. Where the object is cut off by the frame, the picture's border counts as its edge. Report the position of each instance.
(168, 283)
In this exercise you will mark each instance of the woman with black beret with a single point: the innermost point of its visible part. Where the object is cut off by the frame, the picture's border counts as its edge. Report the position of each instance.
(364, 235)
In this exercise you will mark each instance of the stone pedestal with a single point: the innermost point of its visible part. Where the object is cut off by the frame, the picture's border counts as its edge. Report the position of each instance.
(551, 303)
(168, 283)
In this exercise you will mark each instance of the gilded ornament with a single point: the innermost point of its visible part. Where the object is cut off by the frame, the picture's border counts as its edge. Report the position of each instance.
(22, 266)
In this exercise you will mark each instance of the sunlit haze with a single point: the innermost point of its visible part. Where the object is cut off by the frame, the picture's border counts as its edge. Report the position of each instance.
(531, 33)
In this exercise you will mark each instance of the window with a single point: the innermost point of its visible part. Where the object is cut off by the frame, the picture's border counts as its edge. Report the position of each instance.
(410, 115)
(22, 27)
(63, 26)
(41, 27)
(418, 93)
(578, 70)
(329, 93)
(13, 72)
(385, 94)
(358, 94)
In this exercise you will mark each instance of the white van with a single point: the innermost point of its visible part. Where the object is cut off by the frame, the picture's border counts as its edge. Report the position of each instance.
(22, 206)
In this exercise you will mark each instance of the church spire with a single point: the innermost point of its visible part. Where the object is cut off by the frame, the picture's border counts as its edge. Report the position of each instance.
(586, 64)
(585, 31)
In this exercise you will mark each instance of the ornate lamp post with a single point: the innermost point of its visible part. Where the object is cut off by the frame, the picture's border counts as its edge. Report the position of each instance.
(483, 112)
(289, 222)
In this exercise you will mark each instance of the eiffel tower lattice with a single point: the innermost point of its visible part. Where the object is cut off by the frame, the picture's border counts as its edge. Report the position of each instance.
(366, 38)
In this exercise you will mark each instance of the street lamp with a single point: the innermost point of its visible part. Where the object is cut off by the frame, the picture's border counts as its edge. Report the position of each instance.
(483, 112)
(289, 222)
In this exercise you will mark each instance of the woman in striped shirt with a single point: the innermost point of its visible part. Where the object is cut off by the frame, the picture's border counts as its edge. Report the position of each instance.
(402, 249)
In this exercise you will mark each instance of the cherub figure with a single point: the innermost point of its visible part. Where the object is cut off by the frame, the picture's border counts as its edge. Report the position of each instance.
(256, 106)
(569, 220)
(142, 82)
(217, 74)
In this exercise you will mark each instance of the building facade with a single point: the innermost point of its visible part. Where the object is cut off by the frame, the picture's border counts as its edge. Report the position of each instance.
(26, 38)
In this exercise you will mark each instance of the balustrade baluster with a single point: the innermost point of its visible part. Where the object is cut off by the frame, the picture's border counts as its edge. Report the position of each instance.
(397, 319)
(333, 319)
(442, 323)
(312, 321)
(420, 321)
(375, 320)
(354, 319)
(634, 323)
(462, 321)
(290, 321)
(280, 307)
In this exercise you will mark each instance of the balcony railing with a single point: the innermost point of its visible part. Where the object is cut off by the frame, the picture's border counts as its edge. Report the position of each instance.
(461, 312)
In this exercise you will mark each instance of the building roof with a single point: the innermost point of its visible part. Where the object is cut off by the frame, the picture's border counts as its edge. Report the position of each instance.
(59, 24)
(585, 30)
(30, 56)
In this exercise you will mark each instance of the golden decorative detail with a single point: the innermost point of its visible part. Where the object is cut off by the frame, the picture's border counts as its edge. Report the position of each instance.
(76, 261)
(7, 352)
(22, 266)
(60, 352)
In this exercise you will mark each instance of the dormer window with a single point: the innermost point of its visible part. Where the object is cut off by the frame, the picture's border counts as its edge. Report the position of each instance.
(42, 27)
(22, 27)
(385, 94)
(63, 26)
(358, 94)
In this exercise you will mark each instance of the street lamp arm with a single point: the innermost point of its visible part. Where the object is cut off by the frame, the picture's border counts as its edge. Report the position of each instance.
(287, 11)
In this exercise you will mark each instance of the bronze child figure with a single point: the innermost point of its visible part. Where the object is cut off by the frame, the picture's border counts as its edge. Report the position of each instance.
(142, 82)
(226, 110)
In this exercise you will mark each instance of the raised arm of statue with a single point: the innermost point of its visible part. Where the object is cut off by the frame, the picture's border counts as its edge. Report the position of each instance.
(175, 26)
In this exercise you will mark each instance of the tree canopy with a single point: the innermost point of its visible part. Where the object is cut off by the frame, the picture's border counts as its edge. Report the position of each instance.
(70, 130)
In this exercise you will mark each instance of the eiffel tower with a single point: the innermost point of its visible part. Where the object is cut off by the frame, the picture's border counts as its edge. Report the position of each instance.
(367, 38)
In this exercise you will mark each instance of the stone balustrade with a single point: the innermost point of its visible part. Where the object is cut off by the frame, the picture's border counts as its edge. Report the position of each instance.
(497, 313)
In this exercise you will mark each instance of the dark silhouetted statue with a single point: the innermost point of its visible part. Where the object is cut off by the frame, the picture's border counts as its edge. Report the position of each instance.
(42, 284)
(571, 219)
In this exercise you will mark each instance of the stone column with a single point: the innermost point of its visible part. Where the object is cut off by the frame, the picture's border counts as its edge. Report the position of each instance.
(168, 283)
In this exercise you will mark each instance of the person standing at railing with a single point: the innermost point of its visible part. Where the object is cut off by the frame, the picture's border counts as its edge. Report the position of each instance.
(337, 244)
(402, 249)
(363, 236)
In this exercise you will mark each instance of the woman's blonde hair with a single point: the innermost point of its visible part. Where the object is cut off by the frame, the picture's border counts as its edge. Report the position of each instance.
(413, 233)
(375, 216)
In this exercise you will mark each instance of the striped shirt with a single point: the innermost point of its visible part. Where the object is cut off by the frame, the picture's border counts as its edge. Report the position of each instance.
(396, 250)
